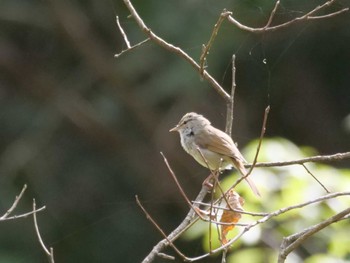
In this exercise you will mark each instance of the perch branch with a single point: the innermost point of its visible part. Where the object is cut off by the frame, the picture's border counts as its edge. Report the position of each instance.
(313, 159)
(183, 226)
(267, 218)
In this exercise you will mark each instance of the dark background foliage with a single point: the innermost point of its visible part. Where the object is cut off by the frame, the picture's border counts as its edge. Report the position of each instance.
(84, 129)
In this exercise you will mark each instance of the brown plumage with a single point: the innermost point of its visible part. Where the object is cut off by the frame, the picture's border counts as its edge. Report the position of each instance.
(218, 148)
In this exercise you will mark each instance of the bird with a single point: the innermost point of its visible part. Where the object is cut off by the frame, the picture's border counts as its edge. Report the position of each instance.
(209, 146)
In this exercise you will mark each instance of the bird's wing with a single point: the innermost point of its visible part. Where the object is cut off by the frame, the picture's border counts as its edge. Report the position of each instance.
(219, 142)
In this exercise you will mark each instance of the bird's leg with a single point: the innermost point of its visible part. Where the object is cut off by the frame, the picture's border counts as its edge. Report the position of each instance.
(208, 182)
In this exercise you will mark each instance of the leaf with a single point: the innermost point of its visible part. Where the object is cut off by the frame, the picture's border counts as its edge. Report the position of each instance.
(231, 217)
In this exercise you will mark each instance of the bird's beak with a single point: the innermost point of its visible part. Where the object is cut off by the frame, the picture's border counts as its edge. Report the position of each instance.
(176, 128)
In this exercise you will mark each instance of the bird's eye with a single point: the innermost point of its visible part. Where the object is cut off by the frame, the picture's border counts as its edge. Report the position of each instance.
(185, 122)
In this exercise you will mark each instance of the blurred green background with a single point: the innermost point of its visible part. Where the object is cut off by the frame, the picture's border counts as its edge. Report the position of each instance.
(84, 129)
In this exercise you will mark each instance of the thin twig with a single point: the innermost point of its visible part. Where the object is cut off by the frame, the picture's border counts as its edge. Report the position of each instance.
(176, 181)
(131, 48)
(234, 210)
(263, 129)
(123, 33)
(273, 12)
(230, 103)
(182, 192)
(161, 42)
(322, 185)
(148, 216)
(267, 218)
(15, 203)
(49, 253)
(290, 243)
(313, 159)
(189, 220)
(307, 16)
(206, 48)
(24, 215)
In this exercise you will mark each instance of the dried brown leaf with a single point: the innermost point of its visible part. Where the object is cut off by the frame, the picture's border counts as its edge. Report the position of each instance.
(229, 216)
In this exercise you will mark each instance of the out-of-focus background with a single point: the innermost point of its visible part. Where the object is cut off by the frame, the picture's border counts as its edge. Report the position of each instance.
(84, 129)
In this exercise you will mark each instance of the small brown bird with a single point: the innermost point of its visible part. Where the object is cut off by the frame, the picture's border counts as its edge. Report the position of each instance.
(199, 136)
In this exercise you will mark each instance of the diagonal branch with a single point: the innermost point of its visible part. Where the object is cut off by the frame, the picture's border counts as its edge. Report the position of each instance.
(291, 242)
(7, 216)
(206, 48)
(161, 42)
(15, 203)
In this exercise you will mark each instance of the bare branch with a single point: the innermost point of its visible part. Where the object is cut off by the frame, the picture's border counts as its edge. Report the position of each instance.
(7, 216)
(148, 216)
(313, 159)
(123, 33)
(267, 218)
(194, 208)
(131, 48)
(24, 215)
(207, 47)
(263, 129)
(230, 103)
(290, 243)
(229, 99)
(15, 203)
(156, 39)
(272, 14)
(183, 226)
(319, 182)
(48, 253)
(308, 16)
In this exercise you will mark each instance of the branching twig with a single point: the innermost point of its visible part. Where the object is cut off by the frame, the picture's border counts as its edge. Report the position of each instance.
(14, 205)
(161, 42)
(272, 15)
(126, 40)
(183, 226)
(308, 16)
(206, 48)
(131, 48)
(49, 253)
(290, 243)
(267, 218)
(123, 33)
(7, 216)
(229, 99)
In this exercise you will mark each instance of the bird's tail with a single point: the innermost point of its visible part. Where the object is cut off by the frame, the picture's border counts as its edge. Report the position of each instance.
(240, 167)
